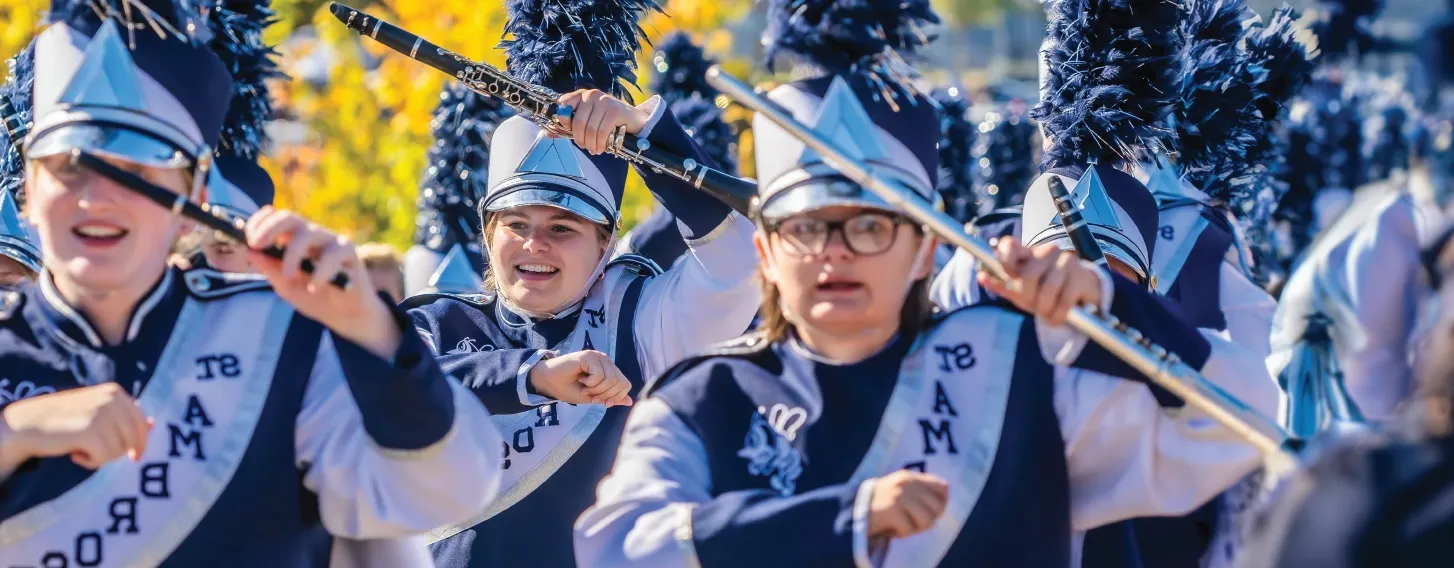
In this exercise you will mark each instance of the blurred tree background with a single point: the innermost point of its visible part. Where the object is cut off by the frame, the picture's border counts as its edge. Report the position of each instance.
(353, 122)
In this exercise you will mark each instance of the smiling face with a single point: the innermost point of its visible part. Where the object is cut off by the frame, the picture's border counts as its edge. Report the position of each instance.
(839, 292)
(98, 236)
(542, 257)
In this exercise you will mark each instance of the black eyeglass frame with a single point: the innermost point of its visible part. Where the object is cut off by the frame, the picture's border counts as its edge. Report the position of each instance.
(793, 245)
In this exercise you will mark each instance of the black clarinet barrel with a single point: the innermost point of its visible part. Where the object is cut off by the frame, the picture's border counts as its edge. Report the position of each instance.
(398, 39)
(1076, 227)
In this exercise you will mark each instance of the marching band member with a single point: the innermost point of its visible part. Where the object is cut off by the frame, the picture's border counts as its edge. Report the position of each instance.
(561, 346)
(454, 182)
(261, 417)
(856, 428)
(1378, 500)
(1123, 218)
(1362, 275)
(1229, 97)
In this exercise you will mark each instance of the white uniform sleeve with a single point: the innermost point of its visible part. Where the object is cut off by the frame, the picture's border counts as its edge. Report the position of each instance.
(1248, 310)
(1382, 274)
(708, 297)
(643, 511)
(1129, 457)
(366, 491)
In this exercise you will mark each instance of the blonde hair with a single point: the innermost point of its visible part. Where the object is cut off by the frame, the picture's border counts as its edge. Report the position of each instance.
(380, 256)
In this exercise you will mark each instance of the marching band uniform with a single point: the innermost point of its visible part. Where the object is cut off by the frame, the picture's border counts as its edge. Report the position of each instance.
(641, 317)
(1363, 276)
(982, 399)
(249, 399)
(1180, 237)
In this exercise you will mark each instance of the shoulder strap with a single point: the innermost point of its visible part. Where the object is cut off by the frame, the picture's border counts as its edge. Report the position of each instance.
(476, 300)
(641, 264)
(209, 284)
(750, 347)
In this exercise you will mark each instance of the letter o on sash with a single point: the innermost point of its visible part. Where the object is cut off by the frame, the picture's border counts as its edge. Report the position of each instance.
(88, 555)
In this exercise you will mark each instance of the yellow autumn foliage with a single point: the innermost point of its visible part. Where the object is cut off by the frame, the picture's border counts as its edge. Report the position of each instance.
(358, 172)
(356, 164)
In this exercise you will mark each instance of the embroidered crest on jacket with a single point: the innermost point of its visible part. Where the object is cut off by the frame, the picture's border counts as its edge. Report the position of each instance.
(21, 391)
(769, 449)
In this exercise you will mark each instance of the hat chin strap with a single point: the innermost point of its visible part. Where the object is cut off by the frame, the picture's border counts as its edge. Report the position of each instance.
(564, 308)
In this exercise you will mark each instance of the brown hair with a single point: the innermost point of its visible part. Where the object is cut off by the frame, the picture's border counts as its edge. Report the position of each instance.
(916, 314)
(602, 231)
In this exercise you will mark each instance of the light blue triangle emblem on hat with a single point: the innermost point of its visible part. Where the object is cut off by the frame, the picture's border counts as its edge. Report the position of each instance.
(107, 76)
(1165, 184)
(1094, 202)
(843, 120)
(455, 275)
(556, 156)
(15, 239)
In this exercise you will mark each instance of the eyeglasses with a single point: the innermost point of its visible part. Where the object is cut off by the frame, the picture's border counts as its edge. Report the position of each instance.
(867, 234)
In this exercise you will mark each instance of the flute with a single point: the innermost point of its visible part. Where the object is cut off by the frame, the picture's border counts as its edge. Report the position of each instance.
(539, 105)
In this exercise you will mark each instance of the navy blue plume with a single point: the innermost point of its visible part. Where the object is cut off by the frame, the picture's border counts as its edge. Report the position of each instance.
(15, 110)
(869, 37)
(1004, 157)
(575, 44)
(1280, 57)
(458, 167)
(237, 30)
(956, 164)
(681, 70)
(183, 19)
(1212, 132)
(1112, 77)
(703, 121)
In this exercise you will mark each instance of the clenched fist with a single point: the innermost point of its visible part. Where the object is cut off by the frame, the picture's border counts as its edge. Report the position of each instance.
(93, 425)
(583, 377)
(905, 503)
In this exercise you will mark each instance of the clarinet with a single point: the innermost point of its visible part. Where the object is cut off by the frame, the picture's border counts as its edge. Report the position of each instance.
(539, 105)
(1076, 227)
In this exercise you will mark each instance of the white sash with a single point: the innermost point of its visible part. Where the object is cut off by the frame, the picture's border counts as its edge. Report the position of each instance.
(933, 410)
(206, 395)
(1168, 266)
(536, 445)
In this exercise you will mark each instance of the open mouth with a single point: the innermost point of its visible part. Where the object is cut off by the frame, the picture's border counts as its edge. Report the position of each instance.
(536, 271)
(840, 286)
(99, 234)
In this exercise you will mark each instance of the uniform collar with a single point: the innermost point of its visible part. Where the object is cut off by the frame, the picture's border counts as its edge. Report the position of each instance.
(75, 326)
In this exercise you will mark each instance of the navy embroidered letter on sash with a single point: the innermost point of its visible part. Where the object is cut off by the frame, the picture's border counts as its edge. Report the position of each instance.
(959, 357)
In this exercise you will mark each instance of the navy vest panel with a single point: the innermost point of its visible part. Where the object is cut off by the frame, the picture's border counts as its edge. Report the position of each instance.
(1198, 288)
(537, 531)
